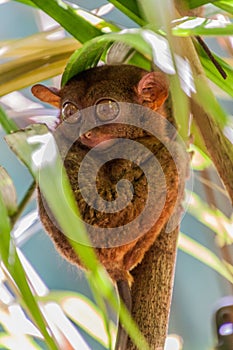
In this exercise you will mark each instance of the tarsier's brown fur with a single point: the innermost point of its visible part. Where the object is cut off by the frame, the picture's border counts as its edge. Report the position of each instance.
(123, 84)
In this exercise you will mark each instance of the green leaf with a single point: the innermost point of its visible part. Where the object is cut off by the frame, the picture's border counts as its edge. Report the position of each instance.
(203, 254)
(213, 74)
(89, 55)
(8, 192)
(69, 19)
(212, 218)
(70, 302)
(26, 2)
(130, 5)
(213, 108)
(130, 9)
(7, 123)
(12, 263)
(86, 57)
(197, 3)
(180, 107)
(5, 229)
(225, 5)
(201, 26)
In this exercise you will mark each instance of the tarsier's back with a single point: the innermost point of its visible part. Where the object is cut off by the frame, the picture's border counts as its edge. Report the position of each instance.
(116, 152)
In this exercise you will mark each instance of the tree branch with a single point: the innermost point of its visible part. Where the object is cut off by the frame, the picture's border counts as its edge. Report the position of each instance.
(219, 147)
(152, 290)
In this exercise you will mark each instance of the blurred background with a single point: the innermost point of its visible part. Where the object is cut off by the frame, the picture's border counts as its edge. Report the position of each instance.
(197, 287)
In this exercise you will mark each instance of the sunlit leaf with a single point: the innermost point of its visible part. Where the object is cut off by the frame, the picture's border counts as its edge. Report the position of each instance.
(225, 5)
(26, 65)
(89, 55)
(26, 2)
(16, 342)
(213, 74)
(213, 108)
(169, 60)
(180, 107)
(49, 42)
(229, 266)
(69, 19)
(11, 260)
(146, 42)
(8, 192)
(203, 254)
(212, 218)
(34, 59)
(201, 26)
(83, 312)
(48, 70)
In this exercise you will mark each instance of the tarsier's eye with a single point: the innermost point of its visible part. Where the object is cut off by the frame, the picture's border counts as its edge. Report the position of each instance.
(107, 109)
(70, 113)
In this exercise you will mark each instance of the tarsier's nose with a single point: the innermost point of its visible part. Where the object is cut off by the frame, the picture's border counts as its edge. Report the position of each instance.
(87, 135)
(86, 138)
(92, 139)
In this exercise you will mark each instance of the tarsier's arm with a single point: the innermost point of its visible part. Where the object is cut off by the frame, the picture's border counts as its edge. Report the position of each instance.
(109, 90)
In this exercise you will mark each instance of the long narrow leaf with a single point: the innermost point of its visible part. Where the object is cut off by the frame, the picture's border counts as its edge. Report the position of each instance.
(89, 55)
(196, 3)
(38, 44)
(26, 2)
(131, 5)
(69, 19)
(89, 317)
(225, 5)
(212, 108)
(198, 251)
(130, 9)
(10, 259)
(48, 70)
(202, 26)
(212, 218)
(213, 74)
(8, 192)
(7, 123)
(4, 230)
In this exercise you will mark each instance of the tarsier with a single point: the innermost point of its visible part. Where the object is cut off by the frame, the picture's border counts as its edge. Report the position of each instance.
(107, 88)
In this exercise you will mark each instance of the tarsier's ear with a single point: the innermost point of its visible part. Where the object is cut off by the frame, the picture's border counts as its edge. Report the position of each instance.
(45, 94)
(153, 90)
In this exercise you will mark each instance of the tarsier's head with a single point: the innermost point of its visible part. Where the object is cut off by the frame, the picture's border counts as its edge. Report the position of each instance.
(104, 89)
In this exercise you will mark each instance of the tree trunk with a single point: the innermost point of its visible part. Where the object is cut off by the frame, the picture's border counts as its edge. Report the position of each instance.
(152, 290)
